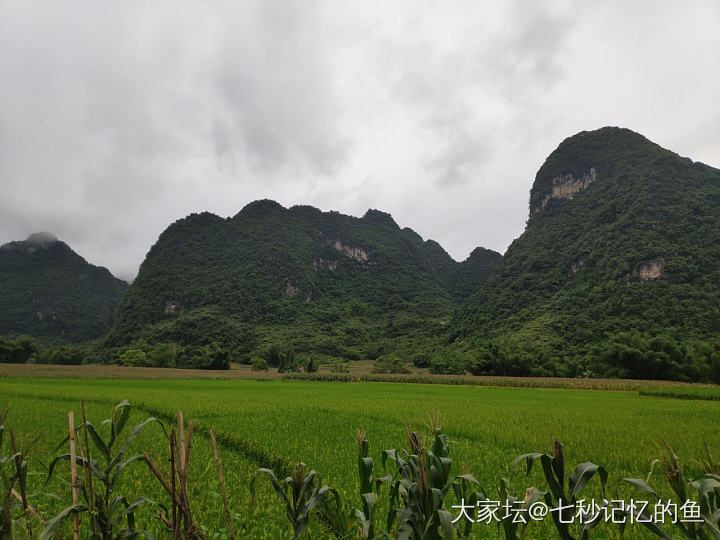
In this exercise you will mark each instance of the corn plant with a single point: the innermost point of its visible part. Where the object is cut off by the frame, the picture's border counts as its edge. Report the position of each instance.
(301, 494)
(418, 487)
(175, 482)
(366, 516)
(111, 515)
(334, 513)
(466, 491)
(564, 504)
(8, 477)
(706, 488)
(510, 526)
(13, 474)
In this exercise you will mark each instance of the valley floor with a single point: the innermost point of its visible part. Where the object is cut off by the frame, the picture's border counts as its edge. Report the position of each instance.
(261, 422)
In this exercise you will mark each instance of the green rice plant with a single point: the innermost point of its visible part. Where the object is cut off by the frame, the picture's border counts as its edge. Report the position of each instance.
(252, 420)
(706, 488)
(704, 392)
(301, 494)
(563, 504)
(111, 515)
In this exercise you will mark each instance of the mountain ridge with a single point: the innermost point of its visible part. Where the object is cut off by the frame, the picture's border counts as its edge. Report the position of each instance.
(621, 237)
(49, 291)
(344, 280)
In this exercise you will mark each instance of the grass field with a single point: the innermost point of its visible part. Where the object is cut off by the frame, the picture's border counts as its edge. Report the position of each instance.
(277, 421)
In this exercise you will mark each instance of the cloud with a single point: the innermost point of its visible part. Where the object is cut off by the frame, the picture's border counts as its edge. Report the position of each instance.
(117, 118)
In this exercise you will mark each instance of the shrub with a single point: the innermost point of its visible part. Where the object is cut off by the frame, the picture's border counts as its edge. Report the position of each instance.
(390, 363)
(163, 355)
(287, 362)
(258, 364)
(134, 358)
(311, 365)
(421, 360)
(18, 351)
(339, 367)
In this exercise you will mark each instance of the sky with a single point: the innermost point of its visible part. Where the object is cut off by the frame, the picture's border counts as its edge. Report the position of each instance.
(119, 117)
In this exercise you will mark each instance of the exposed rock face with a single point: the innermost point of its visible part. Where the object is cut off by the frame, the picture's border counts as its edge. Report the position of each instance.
(320, 263)
(651, 269)
(359, 254)
(576, 266)
(566, 186)
(172, 306)
(291, 289)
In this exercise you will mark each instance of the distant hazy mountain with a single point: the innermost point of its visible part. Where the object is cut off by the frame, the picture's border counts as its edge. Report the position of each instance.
(622, 235)
(316, 281)
(49, 291)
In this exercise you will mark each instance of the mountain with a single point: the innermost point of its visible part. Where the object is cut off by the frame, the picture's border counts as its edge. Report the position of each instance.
(313, 281)
(50, 292)
(622, 247)
(460, 278)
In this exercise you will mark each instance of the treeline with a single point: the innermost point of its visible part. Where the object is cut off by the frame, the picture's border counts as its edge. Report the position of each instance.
(25, 350)
(171, 355)
(625, 355)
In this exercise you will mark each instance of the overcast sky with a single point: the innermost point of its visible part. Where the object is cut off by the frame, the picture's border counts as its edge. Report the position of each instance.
(119, 117)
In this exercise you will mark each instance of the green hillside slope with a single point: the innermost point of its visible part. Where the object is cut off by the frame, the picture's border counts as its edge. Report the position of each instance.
(618, 269)
(50, 292)
(319, 282)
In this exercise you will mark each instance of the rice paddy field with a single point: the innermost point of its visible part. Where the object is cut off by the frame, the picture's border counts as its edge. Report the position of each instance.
(261, 423)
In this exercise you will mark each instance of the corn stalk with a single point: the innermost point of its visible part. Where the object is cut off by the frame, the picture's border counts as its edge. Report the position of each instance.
(706, 488)
(111, 515)
(300, 493)
(418, 487)
(175, 482)
(562, 503)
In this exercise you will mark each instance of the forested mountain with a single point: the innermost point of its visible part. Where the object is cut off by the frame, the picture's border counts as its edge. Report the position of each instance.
(460, 278)
(619, 264)
(617, 274)
(50, 292)
(319, 282)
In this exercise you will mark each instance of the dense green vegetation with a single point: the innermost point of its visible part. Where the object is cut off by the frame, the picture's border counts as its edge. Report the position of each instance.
(616, 275)
(460, 278)
(623, 279)
(275, 424)
(324, 284)
(17, 351)
(50, 292)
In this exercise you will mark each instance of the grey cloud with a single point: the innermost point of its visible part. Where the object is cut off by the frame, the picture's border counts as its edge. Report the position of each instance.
(278, 103)
(117, 118)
